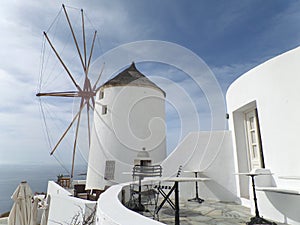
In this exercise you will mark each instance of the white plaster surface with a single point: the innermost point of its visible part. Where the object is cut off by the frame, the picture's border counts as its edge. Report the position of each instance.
(273, 88)
(210, 152)
(63, 207)
(135, 120)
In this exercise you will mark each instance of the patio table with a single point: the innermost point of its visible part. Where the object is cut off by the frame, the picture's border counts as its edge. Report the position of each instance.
(257, 219)
(196, 198)
(175, 189)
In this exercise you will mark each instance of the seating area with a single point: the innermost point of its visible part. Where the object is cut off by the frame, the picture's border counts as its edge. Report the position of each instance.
(81, 192)
(149, 191)
(64, 181)
(79, 188)
(144, 196)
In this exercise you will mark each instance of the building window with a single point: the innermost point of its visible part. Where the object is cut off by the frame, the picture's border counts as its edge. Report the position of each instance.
(254, 140)
(104, 109)
(101, 94)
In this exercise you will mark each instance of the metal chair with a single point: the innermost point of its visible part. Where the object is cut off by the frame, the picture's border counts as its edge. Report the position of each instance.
(80, 192)
(144, 197)
(161, 191)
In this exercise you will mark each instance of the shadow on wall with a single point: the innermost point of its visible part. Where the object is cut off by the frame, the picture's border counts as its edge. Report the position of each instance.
(287, 204)
(221, 192)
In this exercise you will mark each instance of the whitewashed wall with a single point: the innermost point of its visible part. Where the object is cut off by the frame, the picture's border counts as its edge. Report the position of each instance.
(135, 119)
(63, 207)
(110, 210)
(273, 88)
(210, 152)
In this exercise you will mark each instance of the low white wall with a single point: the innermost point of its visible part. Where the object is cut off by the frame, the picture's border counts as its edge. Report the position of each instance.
(63, 207)
(210, 152)
(4, 221)
(55, 189)
(110, 211)
(281, 207)
(279, 203)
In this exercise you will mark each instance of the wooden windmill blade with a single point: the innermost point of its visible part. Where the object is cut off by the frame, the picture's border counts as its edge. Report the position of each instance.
(86, 93)
(71, 94)
(67, 130)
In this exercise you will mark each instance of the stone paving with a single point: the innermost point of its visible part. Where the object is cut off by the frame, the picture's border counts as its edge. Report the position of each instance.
(208, 213)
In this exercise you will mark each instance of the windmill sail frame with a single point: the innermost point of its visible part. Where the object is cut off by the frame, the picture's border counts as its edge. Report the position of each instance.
(86, 93)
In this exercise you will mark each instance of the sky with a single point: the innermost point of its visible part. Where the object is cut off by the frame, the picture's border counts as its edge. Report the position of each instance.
(229, 36)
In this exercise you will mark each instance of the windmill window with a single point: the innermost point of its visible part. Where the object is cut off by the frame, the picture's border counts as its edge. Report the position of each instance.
(104, 109)
(101, 94)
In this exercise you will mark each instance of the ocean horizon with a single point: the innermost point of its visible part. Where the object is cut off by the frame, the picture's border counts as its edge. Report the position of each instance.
(37, 176)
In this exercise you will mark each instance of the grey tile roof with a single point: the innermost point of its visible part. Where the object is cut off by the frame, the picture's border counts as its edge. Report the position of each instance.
(131, 77)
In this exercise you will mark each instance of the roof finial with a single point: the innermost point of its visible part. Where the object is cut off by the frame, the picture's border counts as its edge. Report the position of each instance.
(132, 66)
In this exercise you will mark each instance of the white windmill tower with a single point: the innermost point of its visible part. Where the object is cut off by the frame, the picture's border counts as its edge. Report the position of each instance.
(129, 119)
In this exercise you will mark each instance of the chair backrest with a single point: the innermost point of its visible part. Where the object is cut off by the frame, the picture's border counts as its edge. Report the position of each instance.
(146, 171)
(79, 188)
(179, 171)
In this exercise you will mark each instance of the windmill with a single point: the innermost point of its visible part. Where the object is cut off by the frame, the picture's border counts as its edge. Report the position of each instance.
(85, 93)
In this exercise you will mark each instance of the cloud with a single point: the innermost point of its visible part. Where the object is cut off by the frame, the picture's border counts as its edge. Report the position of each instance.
(8, 84)
(233, 37)
(282, 29)
(226, 74)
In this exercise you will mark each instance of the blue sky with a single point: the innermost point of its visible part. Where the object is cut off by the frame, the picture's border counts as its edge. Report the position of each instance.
(231, 36)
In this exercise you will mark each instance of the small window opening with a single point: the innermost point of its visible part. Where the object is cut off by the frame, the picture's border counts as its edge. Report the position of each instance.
(104, 109)
(101, 95)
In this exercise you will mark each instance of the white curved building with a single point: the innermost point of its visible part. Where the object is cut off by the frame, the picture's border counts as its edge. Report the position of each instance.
(264, 115)
(129, 117)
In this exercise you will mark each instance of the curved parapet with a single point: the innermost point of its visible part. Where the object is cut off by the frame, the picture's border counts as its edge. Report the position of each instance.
(111, 211)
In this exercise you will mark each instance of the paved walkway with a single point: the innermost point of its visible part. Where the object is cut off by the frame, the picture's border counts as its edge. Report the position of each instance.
(208, 213)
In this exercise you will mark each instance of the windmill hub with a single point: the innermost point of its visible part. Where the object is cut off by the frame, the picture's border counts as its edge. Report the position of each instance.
(87, 94)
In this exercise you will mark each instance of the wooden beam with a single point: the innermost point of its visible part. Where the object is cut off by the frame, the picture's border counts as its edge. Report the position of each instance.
(61, 61)
(59, 94)
(74, 37)
(66, 131)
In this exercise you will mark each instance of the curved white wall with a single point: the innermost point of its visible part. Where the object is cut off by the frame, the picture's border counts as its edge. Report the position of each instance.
(110, 210)
(135, 119)
(274, 88)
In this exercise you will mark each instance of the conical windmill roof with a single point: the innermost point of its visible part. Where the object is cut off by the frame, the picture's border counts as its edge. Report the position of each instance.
(131, 77)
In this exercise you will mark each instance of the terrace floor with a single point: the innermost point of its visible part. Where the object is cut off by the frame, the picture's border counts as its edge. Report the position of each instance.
(208, 213)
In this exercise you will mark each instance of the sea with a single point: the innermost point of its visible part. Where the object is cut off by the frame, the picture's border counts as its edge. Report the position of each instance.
(37, 176)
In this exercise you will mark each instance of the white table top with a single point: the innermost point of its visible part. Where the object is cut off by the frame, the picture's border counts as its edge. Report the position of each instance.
(178, 179)
(253, 174)
(127, 173)
(290, 177)
(193, 171)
